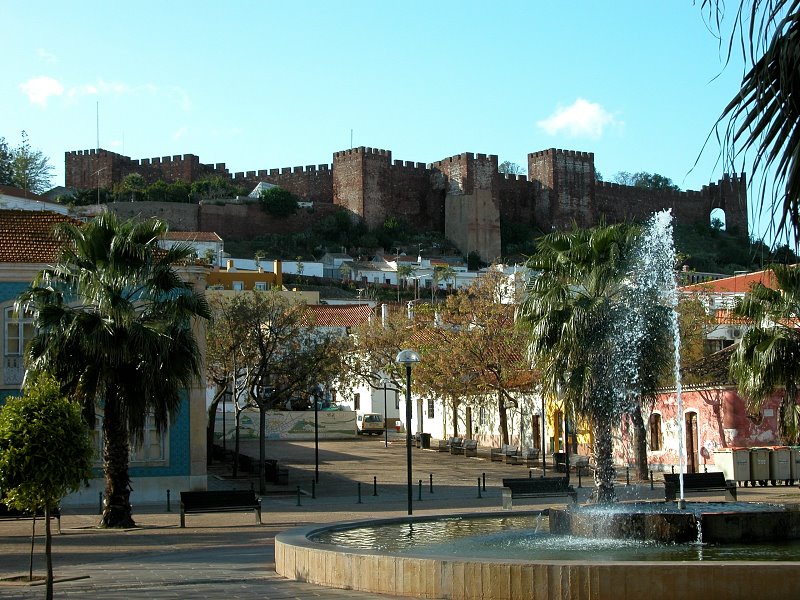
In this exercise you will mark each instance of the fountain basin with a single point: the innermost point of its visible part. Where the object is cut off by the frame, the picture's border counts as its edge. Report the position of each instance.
(298, 556)
(709, 522)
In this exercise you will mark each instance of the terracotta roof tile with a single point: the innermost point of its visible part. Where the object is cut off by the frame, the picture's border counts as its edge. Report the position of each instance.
(738, 284)
(193, 236)
(346, 315)
(27, 236)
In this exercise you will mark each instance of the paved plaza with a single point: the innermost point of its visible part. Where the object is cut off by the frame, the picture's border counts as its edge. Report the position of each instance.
(226, 555)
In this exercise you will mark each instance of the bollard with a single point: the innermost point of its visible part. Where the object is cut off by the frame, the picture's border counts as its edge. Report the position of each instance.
(580, 472)
(430, 479)
(651, 479)
(530, 473)
(628, 475)
(313, 490)
(100, 503)
(673, 469)
(374, 486)
(168, 508)
(359, 493)
(484, 482)
(298, 496)
(419, 495)
(479, 487)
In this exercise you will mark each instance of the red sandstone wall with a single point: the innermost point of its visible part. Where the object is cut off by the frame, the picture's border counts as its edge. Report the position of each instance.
(722, 422)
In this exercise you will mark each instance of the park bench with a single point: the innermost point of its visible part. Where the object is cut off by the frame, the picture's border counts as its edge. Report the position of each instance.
(531, 457)
(457, 446)
(444, 445)
(470, 447)
(699, 482)
(503, 453)
(536, 487)
(13, 513)
(219, 501)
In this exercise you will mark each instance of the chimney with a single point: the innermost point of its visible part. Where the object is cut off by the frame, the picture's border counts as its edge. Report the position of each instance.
(278, 270)
(230, 267)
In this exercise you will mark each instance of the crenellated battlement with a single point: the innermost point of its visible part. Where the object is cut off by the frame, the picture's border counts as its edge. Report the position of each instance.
(363, 150)
(559, 189)
(565, 153)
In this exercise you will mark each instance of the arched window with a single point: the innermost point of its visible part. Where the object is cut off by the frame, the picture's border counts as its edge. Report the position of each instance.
(655, 432)
(717, 219)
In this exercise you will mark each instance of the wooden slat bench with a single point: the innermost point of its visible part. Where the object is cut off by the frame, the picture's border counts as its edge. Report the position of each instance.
(536, 487)
(506, 454)
(531, 457)
(470, 447)
(220, 501)
(13, 513)
(444, 445)
(457, 446)
(699, 482)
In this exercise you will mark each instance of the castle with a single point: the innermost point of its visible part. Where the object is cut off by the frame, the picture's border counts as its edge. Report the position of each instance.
(463, 196)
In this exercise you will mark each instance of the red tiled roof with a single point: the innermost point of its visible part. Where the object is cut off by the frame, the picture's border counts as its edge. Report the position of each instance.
(346, 315)
(7, 190)
(738, 284)
(27, 236)
(193, 236)
(725, 316)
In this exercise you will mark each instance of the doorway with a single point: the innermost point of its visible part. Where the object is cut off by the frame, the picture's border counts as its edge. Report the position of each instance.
(690, 427)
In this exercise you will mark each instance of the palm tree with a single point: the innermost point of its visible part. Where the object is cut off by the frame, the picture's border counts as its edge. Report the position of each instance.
(114, 325)
(768, 357)
(764, 115)
(570, 311)
(403, 272)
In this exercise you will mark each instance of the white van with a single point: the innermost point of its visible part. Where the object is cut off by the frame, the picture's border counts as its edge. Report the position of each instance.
(370, 424)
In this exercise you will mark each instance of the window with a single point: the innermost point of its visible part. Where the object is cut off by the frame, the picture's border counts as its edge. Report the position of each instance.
(482, 416)
(18, 331)
(655, 432)
(238, 285)
(396, 400)
(430, 408)
(261, 285)
(357, 401)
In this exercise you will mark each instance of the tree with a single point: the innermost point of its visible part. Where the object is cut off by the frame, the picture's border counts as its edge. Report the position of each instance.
(31, 169)
(475, 339)
(6, 166)
(107, 314)
(509, 168)
(133, 188)
(45, 453)
(761, 123)
(576, 315)
(212, 188)
(278, 202)
(270, 350)
(404, 272)
(642, 179)
(768, 357)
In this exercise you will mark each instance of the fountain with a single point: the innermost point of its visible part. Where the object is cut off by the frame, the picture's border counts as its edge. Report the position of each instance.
(670, 549)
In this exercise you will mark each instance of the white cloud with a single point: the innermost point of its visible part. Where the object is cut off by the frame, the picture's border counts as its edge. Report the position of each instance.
(39, 89)
(180, 133)
(581, 119)
(102, 87)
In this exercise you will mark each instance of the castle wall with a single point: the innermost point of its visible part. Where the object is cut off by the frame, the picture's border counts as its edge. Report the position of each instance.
(241, 221)
(472, 211)
(463, 196)
(567, 181)
(368, 183)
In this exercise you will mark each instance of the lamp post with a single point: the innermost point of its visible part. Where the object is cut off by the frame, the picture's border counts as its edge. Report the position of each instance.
(384, 381)
(264, 392)
(408, 358)
(315, 393)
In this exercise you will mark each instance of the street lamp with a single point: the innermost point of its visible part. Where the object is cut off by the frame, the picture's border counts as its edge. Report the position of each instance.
(316, 392)
(408, 358)
(385, 380)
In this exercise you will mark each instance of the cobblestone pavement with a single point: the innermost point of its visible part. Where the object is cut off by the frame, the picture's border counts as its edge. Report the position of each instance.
(226, 555)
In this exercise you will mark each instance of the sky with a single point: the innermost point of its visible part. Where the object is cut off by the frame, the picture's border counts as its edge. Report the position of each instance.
(272, 84)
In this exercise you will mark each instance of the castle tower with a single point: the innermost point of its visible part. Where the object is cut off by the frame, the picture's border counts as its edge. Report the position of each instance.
(472, 210)
(567, 181)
